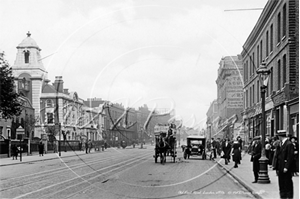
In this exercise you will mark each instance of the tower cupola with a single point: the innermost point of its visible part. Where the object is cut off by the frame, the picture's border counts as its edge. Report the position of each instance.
(28, 55)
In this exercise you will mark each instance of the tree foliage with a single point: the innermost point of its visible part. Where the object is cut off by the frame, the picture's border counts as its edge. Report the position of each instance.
(9, 99)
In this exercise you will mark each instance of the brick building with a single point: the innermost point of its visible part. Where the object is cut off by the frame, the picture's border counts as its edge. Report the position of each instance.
(274, 39)
(230, 97)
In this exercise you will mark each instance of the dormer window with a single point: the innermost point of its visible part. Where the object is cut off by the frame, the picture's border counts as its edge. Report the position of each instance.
(26, 56)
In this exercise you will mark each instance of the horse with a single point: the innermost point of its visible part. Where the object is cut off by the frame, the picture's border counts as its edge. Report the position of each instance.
(162, 146)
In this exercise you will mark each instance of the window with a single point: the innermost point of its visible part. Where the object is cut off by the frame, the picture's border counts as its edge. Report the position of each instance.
(278, 27)
(271, 81)
(257, 91)
(8, 133)
(50, 118)
(253, 95)
(49, 103)
(279, 75)
(267, 44)
(258, 63)
(251, 65)
(250, 96)
(246, 99)
(271, 38)
(26, 56)
(247, 73)
(253, 68)
(284, 20)
(260, 52)
(284, 69)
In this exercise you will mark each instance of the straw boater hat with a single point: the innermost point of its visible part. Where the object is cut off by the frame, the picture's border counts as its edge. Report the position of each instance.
(281, 133)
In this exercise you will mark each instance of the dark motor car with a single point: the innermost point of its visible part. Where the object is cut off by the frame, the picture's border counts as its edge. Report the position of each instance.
(196, 146)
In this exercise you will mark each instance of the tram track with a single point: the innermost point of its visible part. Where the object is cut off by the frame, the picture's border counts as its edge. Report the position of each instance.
(85, 162)
(95, 181)
(10, 183)
(18, 182)
(38, 188)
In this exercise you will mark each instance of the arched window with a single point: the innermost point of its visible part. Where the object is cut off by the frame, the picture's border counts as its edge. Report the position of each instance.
(49, 103)
(26, 55)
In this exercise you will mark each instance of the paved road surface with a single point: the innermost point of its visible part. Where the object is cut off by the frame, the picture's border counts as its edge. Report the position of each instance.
(119, 173)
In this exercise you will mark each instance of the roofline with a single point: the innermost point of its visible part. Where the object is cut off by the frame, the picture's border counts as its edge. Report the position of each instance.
(262, 20)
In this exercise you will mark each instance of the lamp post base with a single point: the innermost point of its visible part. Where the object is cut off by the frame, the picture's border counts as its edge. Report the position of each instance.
(263, 177)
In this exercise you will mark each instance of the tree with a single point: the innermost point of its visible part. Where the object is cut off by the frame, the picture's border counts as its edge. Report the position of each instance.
(9, 101)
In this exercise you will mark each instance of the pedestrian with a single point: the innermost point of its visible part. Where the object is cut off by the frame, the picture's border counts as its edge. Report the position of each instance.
(86, 146)
(256, 154)
(268, 150)
(296, 155)
(241, 147)
(105, 144)
(276, 145)
(249, 149)
(236, 153)
(14, 151)
(80, 145)
(90, 145)
(41, 148)
(218, 146)
(226, 148)
(284, 165)
(240, 141)
(213, 146)
(272, 151)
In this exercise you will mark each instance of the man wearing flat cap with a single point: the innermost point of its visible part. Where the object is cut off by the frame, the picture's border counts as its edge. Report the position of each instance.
(284, 165)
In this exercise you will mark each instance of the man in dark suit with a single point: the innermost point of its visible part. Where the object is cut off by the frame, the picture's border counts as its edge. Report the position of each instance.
(226, 150)
(284, 158)
(256, 154)
(213, 146)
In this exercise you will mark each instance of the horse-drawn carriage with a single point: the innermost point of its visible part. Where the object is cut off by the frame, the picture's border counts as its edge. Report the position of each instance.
(196, 146)
(165, 142)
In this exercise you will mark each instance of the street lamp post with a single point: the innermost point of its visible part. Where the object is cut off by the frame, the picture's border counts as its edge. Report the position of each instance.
(263, 73)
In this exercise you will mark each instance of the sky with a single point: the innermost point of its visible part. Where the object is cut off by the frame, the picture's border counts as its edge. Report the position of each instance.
(163, 53)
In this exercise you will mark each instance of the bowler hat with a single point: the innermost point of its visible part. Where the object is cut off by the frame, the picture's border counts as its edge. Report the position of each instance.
(257, 137)
(281, 133)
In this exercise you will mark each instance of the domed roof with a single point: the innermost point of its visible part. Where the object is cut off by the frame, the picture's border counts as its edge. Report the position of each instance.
(28, 42)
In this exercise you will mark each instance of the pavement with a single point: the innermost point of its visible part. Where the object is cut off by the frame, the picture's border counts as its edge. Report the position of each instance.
(244, 175)
(34, 157)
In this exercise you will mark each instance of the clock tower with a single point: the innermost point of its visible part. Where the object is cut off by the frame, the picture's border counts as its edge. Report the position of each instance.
(29, 73)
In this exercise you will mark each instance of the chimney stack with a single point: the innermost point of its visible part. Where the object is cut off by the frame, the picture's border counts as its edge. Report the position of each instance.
(59, 84)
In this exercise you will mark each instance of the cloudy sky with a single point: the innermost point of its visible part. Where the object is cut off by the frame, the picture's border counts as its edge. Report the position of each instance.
(162, 53)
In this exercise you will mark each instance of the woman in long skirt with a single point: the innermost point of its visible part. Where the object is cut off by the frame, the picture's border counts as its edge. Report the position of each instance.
(236, 153)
